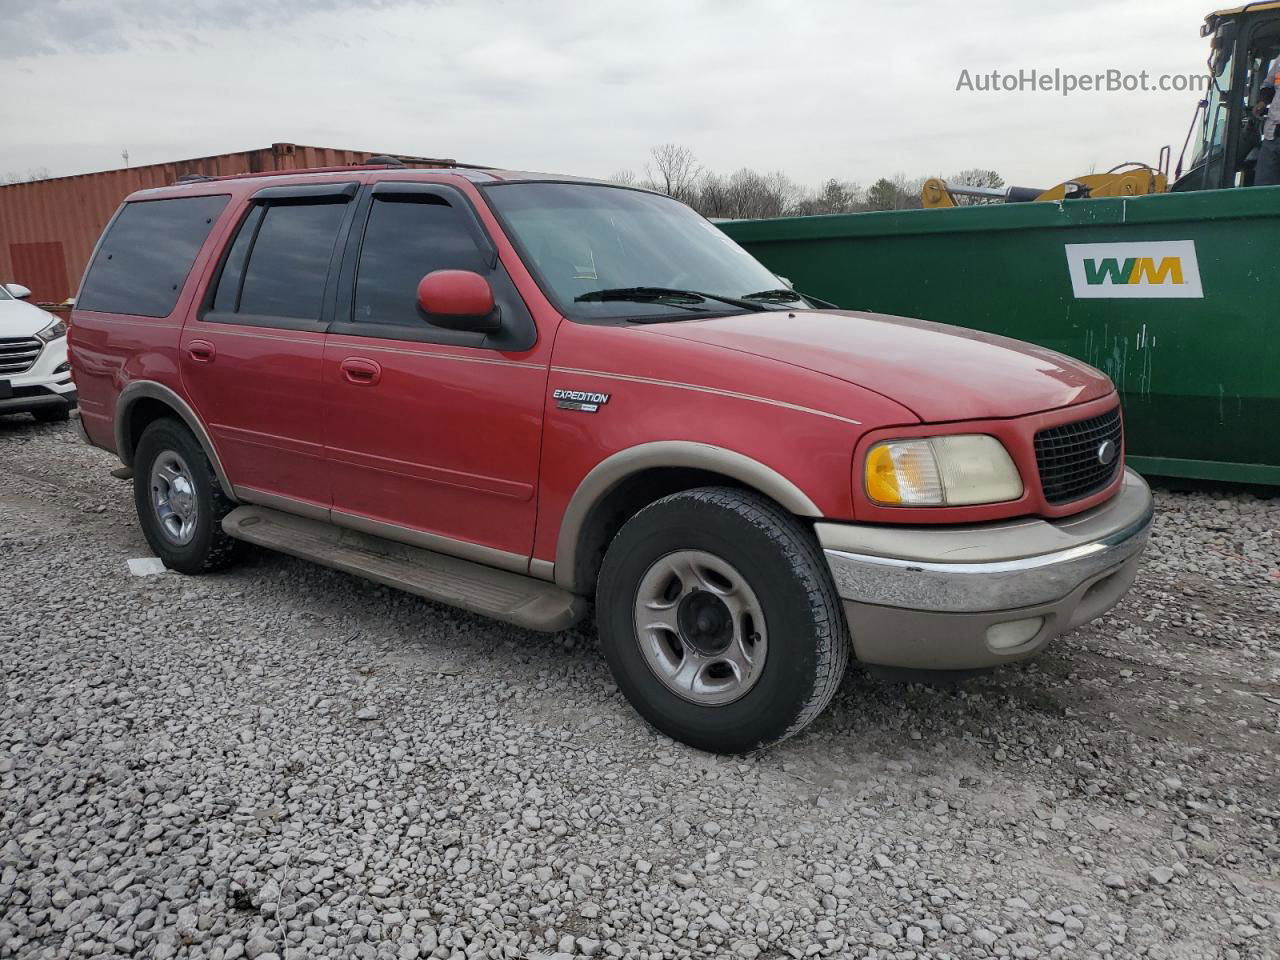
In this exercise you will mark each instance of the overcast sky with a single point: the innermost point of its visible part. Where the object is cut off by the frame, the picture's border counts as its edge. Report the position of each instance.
(819, 89)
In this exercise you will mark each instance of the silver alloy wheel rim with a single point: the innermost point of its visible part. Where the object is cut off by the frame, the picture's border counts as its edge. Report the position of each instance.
(173, 497)
(700, 627)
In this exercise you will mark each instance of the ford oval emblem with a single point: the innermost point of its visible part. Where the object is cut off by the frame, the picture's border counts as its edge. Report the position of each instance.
(1107, 452)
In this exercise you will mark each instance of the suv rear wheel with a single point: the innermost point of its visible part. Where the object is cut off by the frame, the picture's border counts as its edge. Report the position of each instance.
(719, 620)
(179, 501)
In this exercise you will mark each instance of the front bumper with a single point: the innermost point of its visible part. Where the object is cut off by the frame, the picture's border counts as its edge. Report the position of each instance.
(26, 399)
(46, 383)
(952, 598)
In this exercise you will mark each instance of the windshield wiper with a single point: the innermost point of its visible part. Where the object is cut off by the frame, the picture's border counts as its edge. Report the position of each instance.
(665, 295)
(784, 295)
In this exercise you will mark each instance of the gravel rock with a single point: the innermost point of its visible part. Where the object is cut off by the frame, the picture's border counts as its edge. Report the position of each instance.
(283, 762)
(257, 946)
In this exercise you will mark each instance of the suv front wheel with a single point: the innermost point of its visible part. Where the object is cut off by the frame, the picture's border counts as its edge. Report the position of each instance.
(179, 501)
(719, 620)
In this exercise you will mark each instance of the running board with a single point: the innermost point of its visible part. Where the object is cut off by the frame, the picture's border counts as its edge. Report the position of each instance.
(523, 601)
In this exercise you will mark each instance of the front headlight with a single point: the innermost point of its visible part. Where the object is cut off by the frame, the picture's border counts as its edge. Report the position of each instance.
(951, 471)
(53, 331)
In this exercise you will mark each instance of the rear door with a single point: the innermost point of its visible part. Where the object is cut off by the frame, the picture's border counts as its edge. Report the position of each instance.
(252, 359)
(432, 435)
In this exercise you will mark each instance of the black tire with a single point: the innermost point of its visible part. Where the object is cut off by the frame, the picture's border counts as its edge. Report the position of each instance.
(208, 548)
(60, 413)
(807, 637)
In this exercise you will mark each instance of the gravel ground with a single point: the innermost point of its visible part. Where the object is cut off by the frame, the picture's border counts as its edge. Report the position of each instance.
(285, 762)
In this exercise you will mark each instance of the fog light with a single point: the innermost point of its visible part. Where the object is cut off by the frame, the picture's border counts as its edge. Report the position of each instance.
(1013, 633)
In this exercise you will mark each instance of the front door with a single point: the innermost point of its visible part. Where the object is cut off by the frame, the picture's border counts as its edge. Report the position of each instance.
(252, 361)
(432, 435)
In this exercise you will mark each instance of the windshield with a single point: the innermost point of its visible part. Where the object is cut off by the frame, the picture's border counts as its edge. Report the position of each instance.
(1213, 131)
(581, 239)
(5, 294)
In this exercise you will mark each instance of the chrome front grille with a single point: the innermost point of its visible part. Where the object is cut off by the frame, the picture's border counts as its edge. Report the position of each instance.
(1068, 457)
(17, 355)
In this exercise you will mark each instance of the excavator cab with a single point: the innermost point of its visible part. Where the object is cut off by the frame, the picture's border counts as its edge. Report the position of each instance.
(1225, 129)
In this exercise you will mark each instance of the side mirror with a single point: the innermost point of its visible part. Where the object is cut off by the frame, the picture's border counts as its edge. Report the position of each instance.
(18, 290)
(459, 300)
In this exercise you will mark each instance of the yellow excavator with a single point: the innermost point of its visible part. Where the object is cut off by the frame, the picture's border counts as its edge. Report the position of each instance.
(1126, 180)
(1245, 41)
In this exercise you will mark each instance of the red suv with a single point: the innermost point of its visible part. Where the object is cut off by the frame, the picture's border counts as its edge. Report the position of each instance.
(519, 394)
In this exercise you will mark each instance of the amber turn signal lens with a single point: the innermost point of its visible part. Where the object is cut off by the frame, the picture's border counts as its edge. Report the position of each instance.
(903, 473)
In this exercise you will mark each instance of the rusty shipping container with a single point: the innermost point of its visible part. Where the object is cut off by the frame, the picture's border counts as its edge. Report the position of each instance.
(48, 227)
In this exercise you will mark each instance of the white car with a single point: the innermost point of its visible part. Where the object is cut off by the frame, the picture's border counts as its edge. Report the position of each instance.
(34, 374)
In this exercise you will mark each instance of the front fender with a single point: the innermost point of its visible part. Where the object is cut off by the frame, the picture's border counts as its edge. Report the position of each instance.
(666, 454)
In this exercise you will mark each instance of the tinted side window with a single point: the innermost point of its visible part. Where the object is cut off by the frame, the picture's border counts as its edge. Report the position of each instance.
(408, 237)
(289, 260)
(227, 298)
(145, 257)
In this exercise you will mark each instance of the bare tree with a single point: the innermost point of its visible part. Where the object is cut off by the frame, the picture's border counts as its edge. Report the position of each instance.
(746, 192)
(834, 196)
(31, 176)
(674, 171)
(976, 177)
(750, 194)
(909, 192)
(713, 199)
(783, 194)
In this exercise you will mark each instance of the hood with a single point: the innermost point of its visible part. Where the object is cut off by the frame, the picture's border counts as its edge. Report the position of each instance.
(20, 319)
(940, 372)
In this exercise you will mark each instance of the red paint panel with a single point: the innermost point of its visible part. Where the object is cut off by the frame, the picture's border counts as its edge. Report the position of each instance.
(258, 398)
(802, 424)
(446, 442)
(456, 293)
(940, 372)
(108, 353)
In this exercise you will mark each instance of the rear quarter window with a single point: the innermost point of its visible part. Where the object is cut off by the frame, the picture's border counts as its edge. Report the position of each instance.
(146, 254)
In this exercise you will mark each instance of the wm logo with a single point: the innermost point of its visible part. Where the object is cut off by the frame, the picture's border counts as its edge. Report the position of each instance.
(1137, 270)
(1133, 270)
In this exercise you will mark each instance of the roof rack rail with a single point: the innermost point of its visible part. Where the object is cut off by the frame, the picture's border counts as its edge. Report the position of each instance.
(377, 160)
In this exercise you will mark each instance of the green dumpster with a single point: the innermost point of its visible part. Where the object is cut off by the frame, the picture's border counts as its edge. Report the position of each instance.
(1175, 296)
